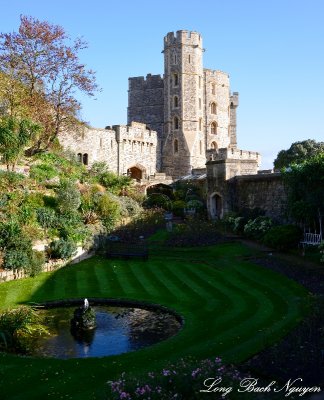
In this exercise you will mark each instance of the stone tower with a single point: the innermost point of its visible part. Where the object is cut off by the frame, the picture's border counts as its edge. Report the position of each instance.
(183, 140)
(191, 107)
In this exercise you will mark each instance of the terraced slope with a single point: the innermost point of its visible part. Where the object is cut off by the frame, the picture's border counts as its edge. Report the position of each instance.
(231, 307)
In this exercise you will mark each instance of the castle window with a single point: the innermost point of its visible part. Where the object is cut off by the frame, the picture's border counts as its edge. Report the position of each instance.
(213, 88)
(199, 81)
(175, 123)
(213, 128)
(200, 147)
(213, 146)
(175, 146)
(213, 108)
(189, 59)
(199, 103)
(174, 58)
(175, 80)
(79, 157)
(85, 159)
(176, 101)
(200, 124)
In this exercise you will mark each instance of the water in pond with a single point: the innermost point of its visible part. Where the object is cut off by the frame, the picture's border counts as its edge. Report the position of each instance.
(118, 330)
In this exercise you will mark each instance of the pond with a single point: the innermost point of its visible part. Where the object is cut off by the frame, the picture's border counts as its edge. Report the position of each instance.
(119, 329)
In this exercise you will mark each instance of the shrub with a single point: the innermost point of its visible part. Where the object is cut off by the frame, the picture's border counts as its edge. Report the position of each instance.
(62, 248)
(18, 328)
(178, 207)
(108, 209)
(158, 200)
(46, 217)
(36, 262)
(42, 172)
(68, 197)
(256, 228)
(282, 237)
(129, 207)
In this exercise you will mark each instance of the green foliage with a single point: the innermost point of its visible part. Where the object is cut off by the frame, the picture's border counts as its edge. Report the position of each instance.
(62, 248)
(305, 184)
(108, 209)
(70, 226)
(129, 207)
(196, 204)
(282, 237)
(42, 172)
(178, 207)
(17, 249)
(257, 227)
(158, 200)
(36, 262)
(64, 165)
(19, 326)
(46, 217)
(113, 182)
(15, 134)
(68, 197)
(298, 153)
(11, 180)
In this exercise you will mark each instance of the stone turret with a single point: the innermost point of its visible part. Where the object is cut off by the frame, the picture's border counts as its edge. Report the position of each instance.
(183, 139)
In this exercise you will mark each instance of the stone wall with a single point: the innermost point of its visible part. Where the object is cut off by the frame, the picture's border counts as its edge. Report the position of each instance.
(51, 265)
(145, 102)
(121, 147)
(265, 191)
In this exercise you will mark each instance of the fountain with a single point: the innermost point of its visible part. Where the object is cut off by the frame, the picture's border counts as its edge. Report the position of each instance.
(84, 318)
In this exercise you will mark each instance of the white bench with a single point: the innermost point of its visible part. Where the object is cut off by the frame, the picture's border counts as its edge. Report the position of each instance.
(311, 239)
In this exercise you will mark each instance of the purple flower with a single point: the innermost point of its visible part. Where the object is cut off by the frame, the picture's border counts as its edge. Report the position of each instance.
(166, 372)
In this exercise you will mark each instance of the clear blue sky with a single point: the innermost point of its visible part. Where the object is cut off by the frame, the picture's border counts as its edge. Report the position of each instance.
(273, 51)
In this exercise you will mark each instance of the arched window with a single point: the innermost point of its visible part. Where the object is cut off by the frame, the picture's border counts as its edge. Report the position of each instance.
(213, 88)
(175, 123)
(189, 59)
(176, 101)
(79, 157)
(85, 159)
(213, 108)
(213, 128)
(175, 146)
(213, 146)
(175, 79)
(200, 124)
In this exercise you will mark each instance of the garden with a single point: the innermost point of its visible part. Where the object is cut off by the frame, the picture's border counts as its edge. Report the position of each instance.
(232, 309)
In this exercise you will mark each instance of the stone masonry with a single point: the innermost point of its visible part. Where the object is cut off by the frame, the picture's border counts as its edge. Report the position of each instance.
(175, 123)
(191, 108)
(125, 148)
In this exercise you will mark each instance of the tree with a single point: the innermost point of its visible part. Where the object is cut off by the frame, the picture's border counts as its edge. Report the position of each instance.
(305, 184)
(42, 58)
(298, 152)
(15, 135)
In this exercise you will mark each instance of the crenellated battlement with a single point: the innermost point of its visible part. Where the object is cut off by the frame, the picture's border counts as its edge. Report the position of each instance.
(141, 83)
(183, 37)
(233, 154)
(234, 99)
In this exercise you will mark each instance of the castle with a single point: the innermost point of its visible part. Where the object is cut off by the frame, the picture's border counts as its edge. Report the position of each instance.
(175, 123)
